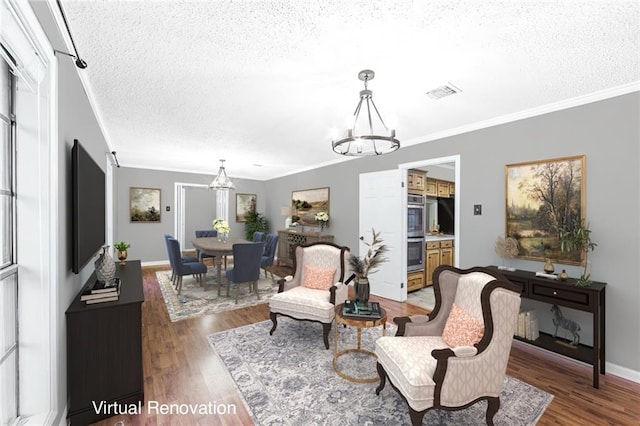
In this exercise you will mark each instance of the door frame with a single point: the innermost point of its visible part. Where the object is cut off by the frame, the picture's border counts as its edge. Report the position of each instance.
(434, 162)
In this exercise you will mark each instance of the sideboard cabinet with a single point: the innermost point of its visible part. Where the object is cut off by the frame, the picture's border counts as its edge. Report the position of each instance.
(104, 349)
(287, 240)
(565, 293)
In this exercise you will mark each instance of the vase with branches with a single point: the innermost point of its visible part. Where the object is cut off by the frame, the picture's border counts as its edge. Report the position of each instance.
(577, 237)
(362, 267)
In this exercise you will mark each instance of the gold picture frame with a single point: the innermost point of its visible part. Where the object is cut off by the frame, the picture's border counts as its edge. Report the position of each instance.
(307, 202)
(144, 205)
(244, 204)
(541, 197)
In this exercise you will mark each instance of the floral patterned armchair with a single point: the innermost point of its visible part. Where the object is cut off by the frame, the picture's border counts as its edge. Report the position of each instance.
(316, 287)
(457, 355)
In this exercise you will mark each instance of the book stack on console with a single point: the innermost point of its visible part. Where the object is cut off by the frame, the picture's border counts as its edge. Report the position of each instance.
(527, 326)
(100, 292)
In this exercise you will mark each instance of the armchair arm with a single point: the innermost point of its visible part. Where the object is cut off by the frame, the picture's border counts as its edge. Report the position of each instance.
(416, 325)
(339, 293)
(286, 283)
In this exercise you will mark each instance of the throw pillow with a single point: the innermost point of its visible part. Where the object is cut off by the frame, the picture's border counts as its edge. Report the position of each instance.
(318, 278)
(462, 329)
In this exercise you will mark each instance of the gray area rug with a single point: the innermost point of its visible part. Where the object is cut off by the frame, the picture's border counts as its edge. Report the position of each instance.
(425, 298)
(194, 301)
(288, 379)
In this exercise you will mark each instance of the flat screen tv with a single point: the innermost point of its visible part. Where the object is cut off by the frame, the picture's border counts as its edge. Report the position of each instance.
(88, 192)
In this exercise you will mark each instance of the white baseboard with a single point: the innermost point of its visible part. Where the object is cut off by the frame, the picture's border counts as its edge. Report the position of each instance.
(155, 263)
(613, 369)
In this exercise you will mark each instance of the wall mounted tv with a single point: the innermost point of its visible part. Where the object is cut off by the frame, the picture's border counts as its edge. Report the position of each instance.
(88, 192)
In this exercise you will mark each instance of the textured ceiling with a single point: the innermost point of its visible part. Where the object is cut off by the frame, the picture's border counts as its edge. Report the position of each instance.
(179, 85)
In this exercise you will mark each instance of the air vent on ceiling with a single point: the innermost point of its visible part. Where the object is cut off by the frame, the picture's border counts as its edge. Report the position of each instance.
(443, 91)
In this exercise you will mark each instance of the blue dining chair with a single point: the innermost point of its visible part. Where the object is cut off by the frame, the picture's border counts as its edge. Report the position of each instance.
(181, 268)
(269, 254)
(203, 234)
(186, 259)
(258, 237)
(246, 267)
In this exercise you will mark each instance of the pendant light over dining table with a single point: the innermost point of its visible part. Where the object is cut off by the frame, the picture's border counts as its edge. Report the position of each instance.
(370, 136)
(222, 181)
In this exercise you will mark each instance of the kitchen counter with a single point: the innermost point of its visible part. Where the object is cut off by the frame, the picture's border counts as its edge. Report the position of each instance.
(429, 237)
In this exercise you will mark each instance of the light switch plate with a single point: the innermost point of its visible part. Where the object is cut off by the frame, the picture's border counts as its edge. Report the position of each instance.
(477, 209)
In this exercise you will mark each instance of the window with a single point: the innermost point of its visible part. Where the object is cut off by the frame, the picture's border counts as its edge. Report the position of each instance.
(8, 268)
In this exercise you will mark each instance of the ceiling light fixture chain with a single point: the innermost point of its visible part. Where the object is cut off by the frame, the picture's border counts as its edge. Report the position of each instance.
(354, 144)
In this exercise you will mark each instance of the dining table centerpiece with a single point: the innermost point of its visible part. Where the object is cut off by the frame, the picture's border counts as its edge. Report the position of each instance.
(366, 265)
(222, 226)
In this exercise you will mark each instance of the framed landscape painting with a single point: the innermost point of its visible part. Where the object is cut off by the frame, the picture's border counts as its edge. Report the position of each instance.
(144, 204)
(244, 204)
(307, 203)
(541, 198)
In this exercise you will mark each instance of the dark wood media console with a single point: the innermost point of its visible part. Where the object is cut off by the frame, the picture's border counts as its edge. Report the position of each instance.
(104, 349)
(565, 293)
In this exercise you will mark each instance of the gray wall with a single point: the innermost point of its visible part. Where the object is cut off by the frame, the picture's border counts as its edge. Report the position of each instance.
(146, 238)
(607, 132)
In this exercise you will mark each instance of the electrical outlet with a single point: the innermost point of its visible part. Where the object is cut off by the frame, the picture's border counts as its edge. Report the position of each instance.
(477, 209)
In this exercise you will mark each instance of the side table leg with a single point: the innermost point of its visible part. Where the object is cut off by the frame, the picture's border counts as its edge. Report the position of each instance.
(335, 339)
(359, 338)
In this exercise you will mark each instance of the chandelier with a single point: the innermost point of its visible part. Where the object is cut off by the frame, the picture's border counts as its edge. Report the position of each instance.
(222, 181)
(360, 139)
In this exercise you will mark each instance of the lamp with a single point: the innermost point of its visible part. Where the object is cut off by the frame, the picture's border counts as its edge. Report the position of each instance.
(361, 144)
(222, 181)
(286, 211)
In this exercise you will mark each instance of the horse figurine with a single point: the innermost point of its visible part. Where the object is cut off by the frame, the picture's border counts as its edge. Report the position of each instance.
(560, 321)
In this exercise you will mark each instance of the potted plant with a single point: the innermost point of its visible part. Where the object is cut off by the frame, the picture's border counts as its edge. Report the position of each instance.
(255, 222)
(122, 247)
(577, 236)
(323, 219)
(223, 228)
(367, 265)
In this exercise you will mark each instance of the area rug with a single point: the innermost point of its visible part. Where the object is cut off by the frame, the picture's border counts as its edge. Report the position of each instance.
(194, 301)
(425, 298)
(288, 379)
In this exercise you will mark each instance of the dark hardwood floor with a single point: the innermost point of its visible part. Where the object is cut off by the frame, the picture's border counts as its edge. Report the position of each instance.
(180, 368)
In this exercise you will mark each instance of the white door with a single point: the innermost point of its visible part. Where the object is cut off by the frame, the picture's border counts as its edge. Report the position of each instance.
(381, 208)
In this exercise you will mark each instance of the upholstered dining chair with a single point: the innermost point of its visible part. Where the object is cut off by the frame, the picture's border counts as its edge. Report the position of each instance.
(203, 233)
(457, 355)
(181, 268)
(186, 259)
(246, 267)
(316, 287)
(269, 254)
(258, 237)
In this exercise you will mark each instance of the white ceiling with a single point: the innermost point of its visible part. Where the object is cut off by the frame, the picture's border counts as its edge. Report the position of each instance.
(179, 85)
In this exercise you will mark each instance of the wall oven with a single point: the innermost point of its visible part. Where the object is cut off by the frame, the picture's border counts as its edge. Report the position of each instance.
(416, 226)
(415, 254)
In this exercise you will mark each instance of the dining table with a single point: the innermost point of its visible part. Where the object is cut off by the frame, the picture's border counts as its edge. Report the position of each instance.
(218, 248)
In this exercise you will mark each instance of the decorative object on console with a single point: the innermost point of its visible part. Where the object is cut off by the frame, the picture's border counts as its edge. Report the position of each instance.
(360, 140)
(286, 211)
(144, 204)
(563, 275)
(307, 203)
(222, 181)
(534, 215)
(577, 237)
(548, 267)
(506, 248)
(323, 219)
(367, 265)
(105, 267)
(122, 247)
(244, 204)
(559, 321)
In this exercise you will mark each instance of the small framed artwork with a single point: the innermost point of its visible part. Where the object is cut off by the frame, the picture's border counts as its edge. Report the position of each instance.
(306, 203)
(244, 204)
(144, 205)
(541, 198)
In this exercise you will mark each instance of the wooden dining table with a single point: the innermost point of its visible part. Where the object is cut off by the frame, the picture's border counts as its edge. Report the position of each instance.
(217, 248)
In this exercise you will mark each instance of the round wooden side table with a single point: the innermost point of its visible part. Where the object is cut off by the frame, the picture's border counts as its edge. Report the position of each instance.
(359, 323)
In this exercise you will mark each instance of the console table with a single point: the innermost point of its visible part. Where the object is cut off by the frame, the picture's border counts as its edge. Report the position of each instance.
(288, 240)
(565, 293)
(104, 349)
